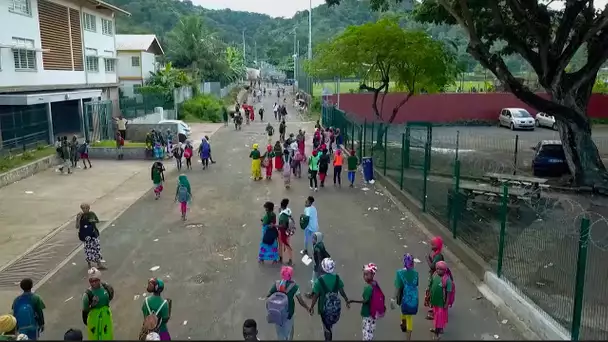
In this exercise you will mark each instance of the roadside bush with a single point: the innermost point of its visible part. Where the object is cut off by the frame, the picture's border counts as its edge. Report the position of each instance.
(203, 107)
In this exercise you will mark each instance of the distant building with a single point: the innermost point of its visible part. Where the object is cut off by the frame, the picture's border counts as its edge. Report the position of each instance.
(55, 56)
(137, 54)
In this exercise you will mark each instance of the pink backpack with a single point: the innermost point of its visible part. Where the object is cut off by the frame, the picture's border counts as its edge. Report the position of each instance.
(451, 296)
(377, 304)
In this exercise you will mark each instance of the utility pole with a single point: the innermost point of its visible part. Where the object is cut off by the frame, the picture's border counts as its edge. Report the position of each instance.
(244, 58)
(310, 30)
(255, 44)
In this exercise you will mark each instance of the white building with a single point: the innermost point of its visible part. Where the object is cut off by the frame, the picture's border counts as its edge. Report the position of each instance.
(55, 56)
(136, 60)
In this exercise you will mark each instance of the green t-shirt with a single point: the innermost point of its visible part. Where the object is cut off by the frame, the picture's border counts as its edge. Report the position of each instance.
(255, 154)
(437, 292)
(313, 162)
(366, 307)
(283, 220)
(103, 298)
(154, 302)
(295, 290)
(330, 284)
(269, 218)
(37, 303)
(8, 338)
(352, 163)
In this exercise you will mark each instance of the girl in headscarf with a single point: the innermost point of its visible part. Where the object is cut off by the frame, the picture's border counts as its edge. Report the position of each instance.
(286, 159)
(86, 223)
(288, 286)
(406, 294)
(158, 177)
(369, 317)
(96, 313)
(440, 286)
(324, 161)
(183, 194)
(432, 259)
(286, 230)
(278, 156)
(204, 150)
(8, 327)
(300, 139)
(269, 246)
(156, 305)
(188, 152)
(267, 161)
(256, 163)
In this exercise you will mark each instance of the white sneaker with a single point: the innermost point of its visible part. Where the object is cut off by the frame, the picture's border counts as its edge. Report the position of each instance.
(316, 189)
(310, 187)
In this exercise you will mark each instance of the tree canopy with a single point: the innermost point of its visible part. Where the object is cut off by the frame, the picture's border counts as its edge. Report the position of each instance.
(548, 35)
(382, 52)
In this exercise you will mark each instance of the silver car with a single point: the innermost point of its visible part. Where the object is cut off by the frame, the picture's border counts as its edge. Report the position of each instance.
(545, 120)
(516, 118)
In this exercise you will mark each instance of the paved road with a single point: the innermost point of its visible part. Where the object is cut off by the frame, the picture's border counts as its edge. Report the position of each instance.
(210, 263)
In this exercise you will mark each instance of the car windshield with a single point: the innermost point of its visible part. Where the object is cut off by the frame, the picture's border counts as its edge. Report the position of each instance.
(552, 151)
(521, 114)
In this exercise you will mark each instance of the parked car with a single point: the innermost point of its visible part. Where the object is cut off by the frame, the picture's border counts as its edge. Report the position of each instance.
(516, 118)
(183, 130)
(545, 120)
(549, 159)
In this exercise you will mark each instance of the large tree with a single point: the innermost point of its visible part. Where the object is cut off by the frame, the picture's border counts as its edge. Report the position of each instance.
(387, 56)
(548, 35)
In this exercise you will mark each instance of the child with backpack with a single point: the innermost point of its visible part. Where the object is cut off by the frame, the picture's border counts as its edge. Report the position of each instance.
(178, 153)
(156, 310)
(158, 178)
(188, 150)
(96, 313)
(372, 305)
(280, 304)
(83, 150)
(352, 163)
(183, 194)
(406, 294)
(28, 311)
(441, 291)
(434, 256)
(120, 144)
(325, 292)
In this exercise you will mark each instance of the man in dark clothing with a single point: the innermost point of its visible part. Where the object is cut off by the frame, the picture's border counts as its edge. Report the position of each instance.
(261, 113)
(282, 128)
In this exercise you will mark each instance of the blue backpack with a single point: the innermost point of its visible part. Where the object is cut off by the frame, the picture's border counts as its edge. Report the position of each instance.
(182, 194)
(409, 298)
(332, 308)
(23, 308)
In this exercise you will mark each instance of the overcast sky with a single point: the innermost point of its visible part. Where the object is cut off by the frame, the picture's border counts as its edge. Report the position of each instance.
(284, 8)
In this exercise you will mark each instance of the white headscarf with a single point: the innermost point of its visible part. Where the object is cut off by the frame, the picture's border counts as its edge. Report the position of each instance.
(153, 336)
(328, 265)
(94, 273)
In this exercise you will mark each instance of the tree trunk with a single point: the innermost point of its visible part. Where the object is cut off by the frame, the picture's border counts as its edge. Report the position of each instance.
(380, 137)
(580, 150)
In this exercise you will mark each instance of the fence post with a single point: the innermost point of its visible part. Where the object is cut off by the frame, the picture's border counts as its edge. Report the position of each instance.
(425, 173)
(457, 145)
(364, 135)
(402, 160)
(579, 287)
(352, 141)
(455, 205)
(504, 210)
(371, 145)
(515, 152)
(359, 150)
(385, 147)
(406, 147)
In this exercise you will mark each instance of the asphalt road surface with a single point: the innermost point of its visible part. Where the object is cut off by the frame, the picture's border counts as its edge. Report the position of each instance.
(209, 263)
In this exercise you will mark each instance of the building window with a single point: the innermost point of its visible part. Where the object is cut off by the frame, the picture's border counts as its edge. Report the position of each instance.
(89, 22)
(110, 64)
(107, 27)
(24, 54)
(92, 60)
(20, 7)
(135, 61)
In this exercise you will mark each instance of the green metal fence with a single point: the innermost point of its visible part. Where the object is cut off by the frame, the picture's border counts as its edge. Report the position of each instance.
(551, 245)
(134, 104)
(98, 122)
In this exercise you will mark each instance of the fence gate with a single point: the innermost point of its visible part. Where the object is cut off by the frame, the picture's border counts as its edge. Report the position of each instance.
(98, 124)
(417, 158)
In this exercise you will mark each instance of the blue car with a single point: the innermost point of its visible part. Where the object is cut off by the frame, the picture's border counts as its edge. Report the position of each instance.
(549, 159)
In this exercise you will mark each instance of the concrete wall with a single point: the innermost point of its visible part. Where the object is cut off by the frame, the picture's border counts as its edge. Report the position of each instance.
(136, 153)
(137, 132)
(445, 108)
(27, 170)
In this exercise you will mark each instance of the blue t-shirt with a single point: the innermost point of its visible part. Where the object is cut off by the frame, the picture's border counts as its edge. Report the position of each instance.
(313, 223)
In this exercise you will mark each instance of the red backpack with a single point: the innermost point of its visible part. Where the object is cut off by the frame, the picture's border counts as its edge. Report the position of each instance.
(377, 302)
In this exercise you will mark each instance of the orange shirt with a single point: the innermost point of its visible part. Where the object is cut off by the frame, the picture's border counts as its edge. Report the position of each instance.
(338, 159)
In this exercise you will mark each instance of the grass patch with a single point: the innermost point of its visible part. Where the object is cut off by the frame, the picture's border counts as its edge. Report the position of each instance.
(20, 158)
(112, 144)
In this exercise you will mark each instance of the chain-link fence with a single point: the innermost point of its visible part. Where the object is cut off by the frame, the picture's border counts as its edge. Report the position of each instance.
(549, 242)
(134, 103)
(305, 82)
(23, 128)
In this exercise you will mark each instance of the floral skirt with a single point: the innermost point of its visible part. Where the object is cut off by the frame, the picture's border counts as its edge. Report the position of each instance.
(92, 249)
(368, 327)
(268, 252)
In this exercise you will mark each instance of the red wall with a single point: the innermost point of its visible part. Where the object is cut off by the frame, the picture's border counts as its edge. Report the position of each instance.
(451, 107)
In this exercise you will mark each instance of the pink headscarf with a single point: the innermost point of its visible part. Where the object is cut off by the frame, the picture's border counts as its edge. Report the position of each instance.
(441, 265)
(286, 273)
(437, 241)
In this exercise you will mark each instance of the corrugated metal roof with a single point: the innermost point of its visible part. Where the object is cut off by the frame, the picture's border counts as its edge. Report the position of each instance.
(136, 42)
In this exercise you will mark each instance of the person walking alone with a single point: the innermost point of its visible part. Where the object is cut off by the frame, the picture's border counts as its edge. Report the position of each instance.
(313, 169)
